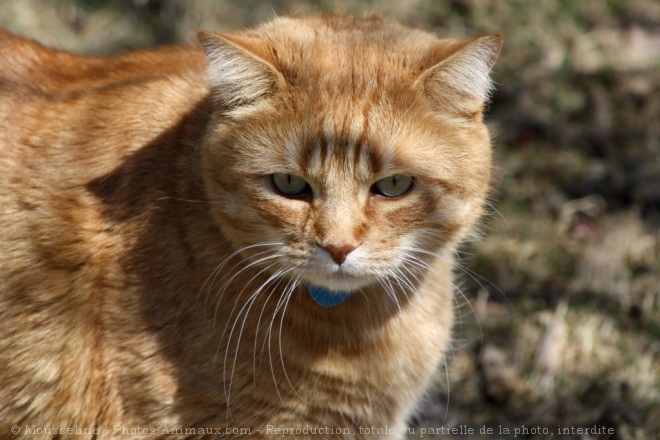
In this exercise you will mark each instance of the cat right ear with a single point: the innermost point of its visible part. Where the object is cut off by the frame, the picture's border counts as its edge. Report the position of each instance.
(460, 78)
(241, 69)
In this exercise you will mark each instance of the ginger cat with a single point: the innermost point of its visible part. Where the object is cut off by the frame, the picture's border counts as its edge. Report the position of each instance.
(247, 240)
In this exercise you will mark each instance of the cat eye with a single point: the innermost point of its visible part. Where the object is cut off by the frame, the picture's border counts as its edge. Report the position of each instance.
(393, 186)
(290, 185)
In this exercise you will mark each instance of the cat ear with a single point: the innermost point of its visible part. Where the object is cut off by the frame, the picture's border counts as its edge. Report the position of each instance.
(461, 80)
(241, 69)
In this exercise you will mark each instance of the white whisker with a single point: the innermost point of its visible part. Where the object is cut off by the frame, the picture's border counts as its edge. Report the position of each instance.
(247, 306)
(411, 258)
(224, 262)
(263, 308)
(280, 301)
(206, 202)
(287, 297)
(228, 282)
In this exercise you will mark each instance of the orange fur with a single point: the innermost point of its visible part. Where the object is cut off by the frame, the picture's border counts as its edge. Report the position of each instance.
(153, 277)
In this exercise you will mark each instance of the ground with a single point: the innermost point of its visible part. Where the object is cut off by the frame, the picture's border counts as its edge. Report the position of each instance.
(559, 329)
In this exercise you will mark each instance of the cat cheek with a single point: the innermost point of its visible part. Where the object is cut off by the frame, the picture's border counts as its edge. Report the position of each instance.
(286, 217)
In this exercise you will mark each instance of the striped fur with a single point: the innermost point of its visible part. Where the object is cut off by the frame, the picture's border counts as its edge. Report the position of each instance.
(153, 276)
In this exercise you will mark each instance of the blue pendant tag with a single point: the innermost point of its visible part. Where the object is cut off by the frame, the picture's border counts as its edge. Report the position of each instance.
(325, 297)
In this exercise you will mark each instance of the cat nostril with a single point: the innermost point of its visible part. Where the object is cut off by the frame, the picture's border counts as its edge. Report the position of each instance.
(339, 253)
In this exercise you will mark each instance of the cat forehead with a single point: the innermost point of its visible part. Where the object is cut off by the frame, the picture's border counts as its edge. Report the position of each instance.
(328, 31)
(345, 46)
(356, 145)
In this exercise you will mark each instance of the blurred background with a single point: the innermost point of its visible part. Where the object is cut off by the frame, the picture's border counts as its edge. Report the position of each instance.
(559, 308)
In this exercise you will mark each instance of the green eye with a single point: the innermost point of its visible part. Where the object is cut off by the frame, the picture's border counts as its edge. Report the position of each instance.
(393, 186)
(290, 185)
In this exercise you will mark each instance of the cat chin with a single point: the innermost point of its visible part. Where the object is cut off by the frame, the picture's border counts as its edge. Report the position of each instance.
(340, 283)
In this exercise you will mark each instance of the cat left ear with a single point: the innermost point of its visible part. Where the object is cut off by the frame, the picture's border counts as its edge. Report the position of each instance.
(460, 81)
(241, 69)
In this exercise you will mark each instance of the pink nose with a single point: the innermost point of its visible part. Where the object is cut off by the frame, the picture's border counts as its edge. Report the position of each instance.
(339, 253)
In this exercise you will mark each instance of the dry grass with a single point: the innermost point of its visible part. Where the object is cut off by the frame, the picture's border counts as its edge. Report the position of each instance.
(562, 324)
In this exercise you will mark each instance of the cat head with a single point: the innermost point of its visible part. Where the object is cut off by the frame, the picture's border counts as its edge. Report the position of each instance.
(346, 150)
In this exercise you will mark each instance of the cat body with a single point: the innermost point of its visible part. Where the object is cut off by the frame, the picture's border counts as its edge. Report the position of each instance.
(156, 268)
